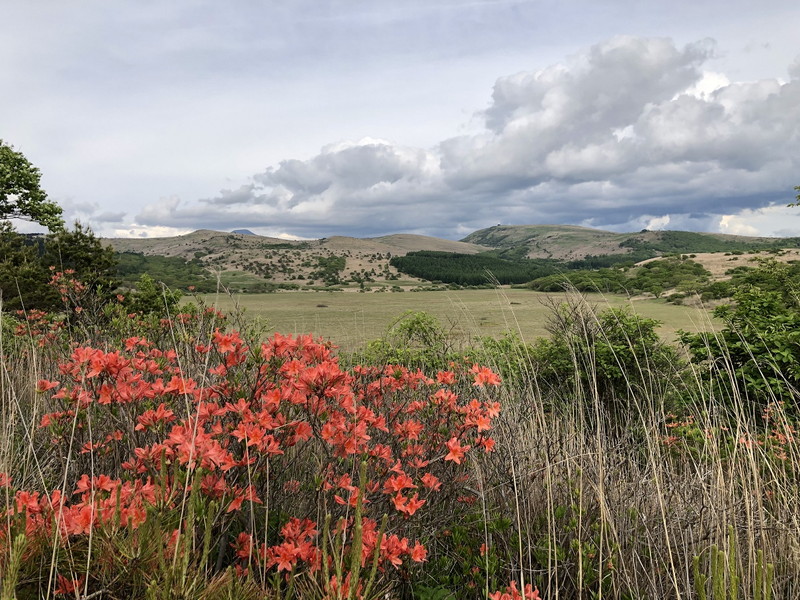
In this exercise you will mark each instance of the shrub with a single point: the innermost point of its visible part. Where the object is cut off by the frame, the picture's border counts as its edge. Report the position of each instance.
(174, 478)
(613, 356)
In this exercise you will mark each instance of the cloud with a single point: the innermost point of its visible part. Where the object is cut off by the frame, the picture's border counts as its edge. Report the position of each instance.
(794, 68)
(629, 133)
(371, 184)
(148, 232)
(109, 217)
(776, 220)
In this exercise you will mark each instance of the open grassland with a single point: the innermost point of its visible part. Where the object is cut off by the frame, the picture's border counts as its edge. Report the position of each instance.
(352, 319)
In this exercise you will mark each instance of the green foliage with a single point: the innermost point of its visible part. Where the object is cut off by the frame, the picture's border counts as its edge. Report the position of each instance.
(23, 276)
(80, 251)
(600, 261)
(21, 196)
(723, 581)
(604, 280)
(329, 269)
(508, 355)
(512, 253)
(27, 264)
(469, 556)
(758, 350)
(286, 246)
(767, 275)
(152, 298)
(797, 203)
(667, 273)
(172, 271)
(470, 269)
(582, 546)
(614, 356)
(717, 290)
(416, 339)
(653, 278)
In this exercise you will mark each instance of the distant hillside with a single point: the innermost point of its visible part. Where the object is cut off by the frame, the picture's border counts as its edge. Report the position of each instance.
(247, 262)
(573, 243)
(562, 242)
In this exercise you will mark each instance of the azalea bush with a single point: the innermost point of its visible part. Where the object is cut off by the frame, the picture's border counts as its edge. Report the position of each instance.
(263, 463)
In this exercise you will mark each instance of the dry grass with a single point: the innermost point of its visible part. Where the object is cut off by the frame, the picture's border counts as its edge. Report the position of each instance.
(720, 262)
(623, 510)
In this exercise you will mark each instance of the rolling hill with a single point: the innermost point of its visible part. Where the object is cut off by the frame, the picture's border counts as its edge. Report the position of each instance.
(571, 242)
(249, 262)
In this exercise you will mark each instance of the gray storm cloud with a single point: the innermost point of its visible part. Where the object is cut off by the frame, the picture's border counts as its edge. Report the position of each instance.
(617, 136)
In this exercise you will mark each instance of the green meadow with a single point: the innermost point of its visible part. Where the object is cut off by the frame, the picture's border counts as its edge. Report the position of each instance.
(351, 319)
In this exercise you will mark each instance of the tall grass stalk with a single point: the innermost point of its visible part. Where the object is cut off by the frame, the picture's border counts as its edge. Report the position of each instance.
(619, 509)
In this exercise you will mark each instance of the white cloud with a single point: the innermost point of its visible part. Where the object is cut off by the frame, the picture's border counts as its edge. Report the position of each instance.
(148, 232)
(123, 104)
(794, 68)
(628, 133)
(776, 220)
(709, 83)
(735, 225)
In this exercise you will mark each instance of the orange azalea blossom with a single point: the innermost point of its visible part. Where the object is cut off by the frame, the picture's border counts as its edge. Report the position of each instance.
(419, 553)
(68, 586)
(446, 377)
(43, 385)
(484, 376)
(407, 505)
(512, 593)
(430, 481)
(398, 482)
(456, 451)
(151, 418)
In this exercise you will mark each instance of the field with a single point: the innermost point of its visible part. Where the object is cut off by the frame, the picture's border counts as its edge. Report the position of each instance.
(352, 319)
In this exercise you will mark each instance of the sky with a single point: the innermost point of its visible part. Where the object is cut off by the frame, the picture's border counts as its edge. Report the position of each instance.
(314, 118)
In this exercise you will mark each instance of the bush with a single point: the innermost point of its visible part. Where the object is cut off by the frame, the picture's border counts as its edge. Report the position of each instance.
(757, 352)
(28, 263)
(613, 356)
(416, 340)
(161, 483)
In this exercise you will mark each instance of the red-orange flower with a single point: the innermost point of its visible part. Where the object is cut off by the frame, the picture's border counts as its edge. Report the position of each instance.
(456, 451)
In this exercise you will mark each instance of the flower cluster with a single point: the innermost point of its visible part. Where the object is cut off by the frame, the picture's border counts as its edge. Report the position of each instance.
(513, 593)
(280, 425)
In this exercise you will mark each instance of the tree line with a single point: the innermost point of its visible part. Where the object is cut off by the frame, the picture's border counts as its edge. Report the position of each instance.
(470, 269)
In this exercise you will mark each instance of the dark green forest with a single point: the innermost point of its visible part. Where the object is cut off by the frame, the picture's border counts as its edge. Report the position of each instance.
(471, 269)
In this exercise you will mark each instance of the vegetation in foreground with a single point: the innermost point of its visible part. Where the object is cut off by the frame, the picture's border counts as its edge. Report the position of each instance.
(158, 455)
